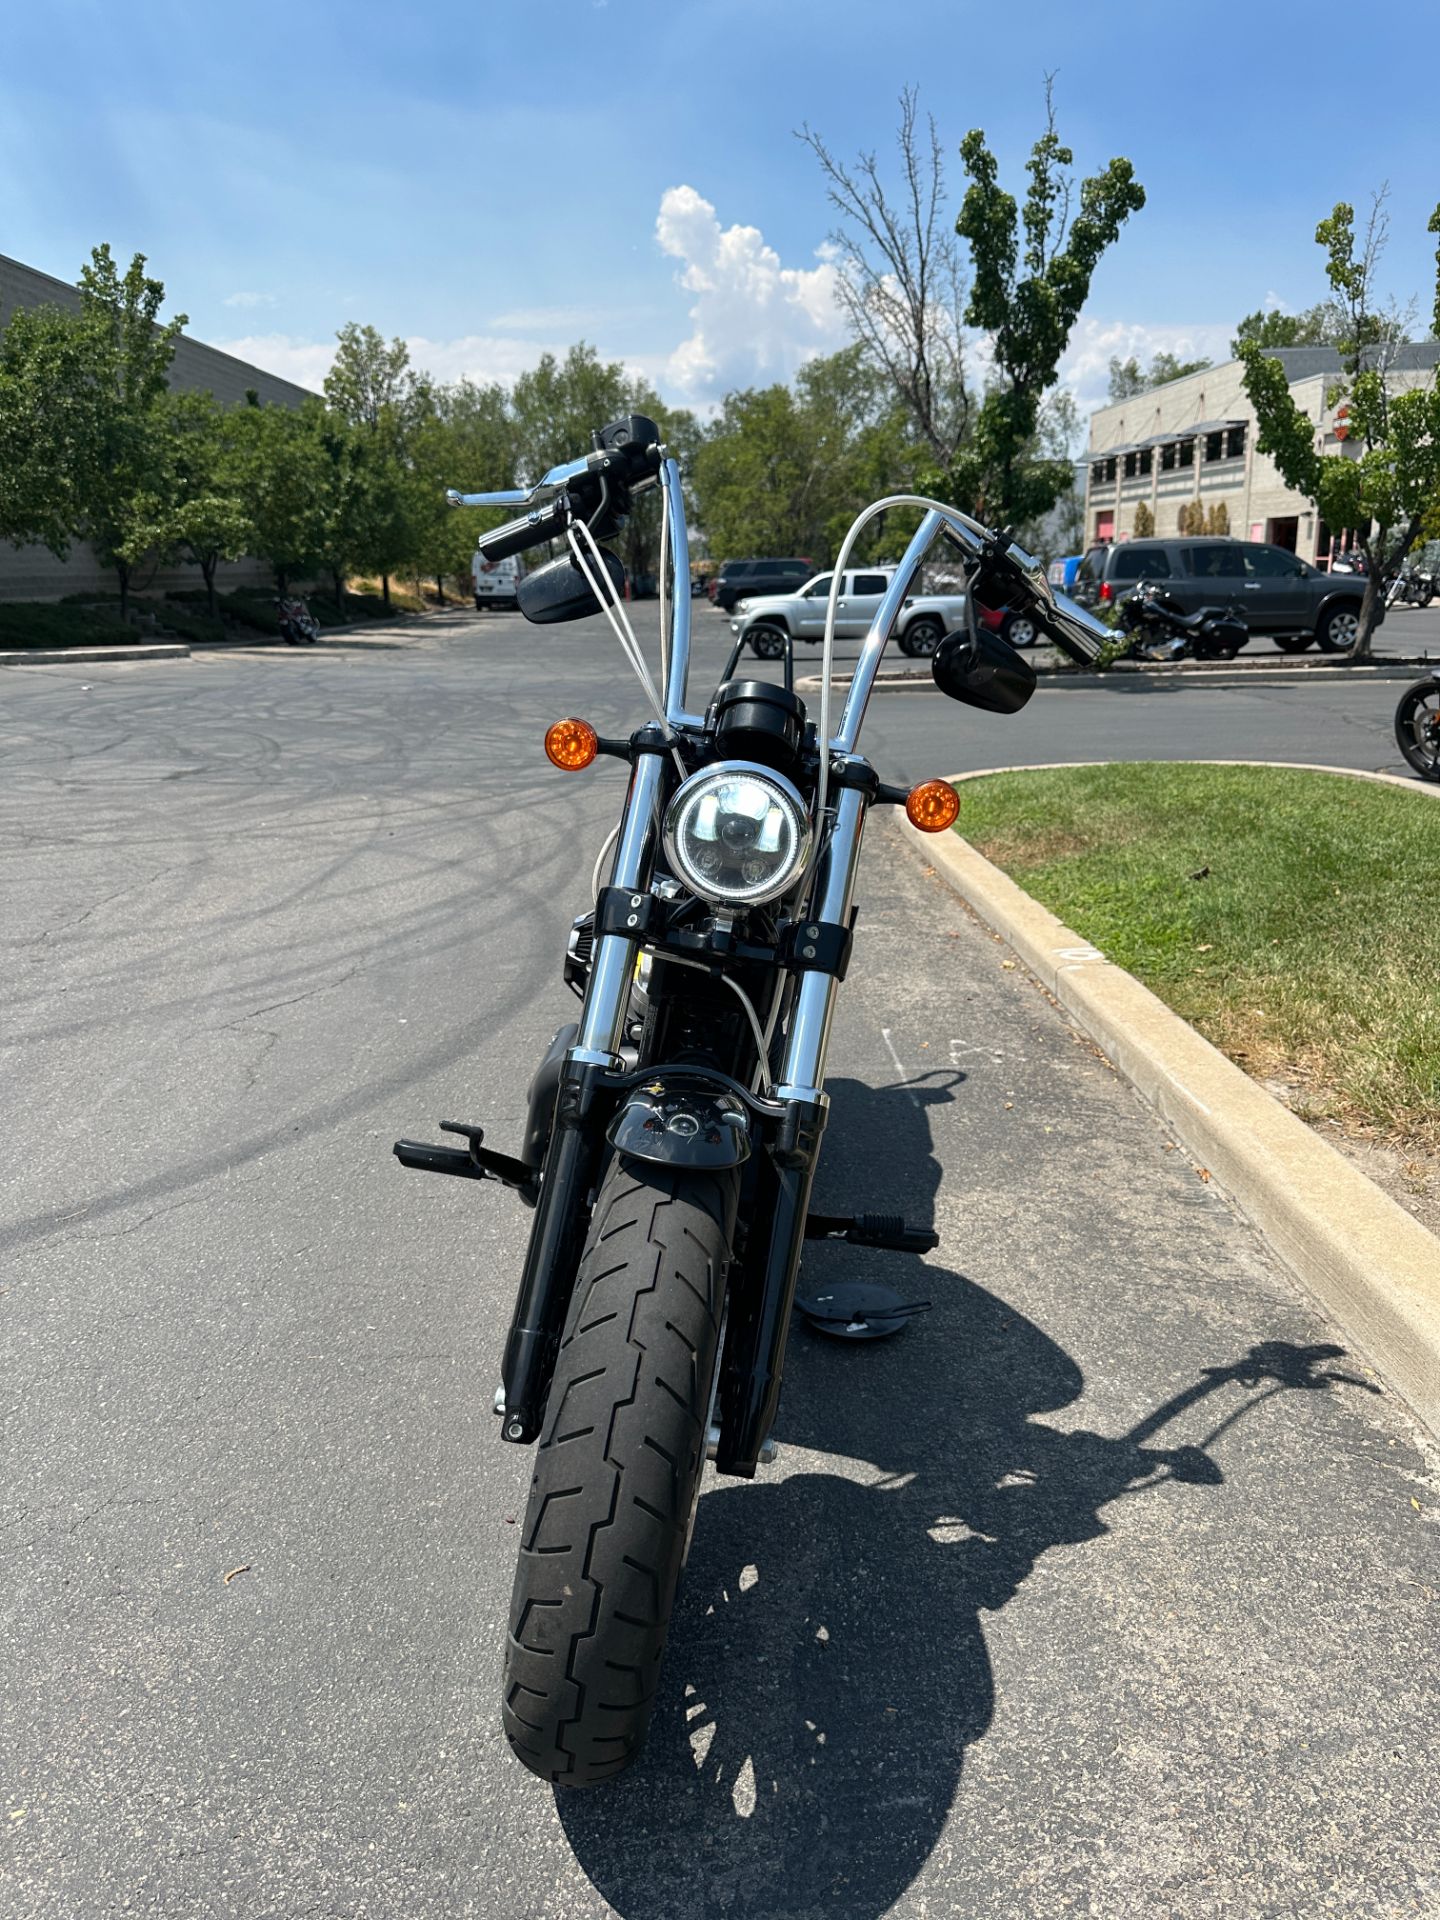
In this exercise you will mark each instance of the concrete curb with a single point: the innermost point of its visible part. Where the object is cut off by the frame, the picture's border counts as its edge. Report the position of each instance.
(85, 656)
(1374, 1269)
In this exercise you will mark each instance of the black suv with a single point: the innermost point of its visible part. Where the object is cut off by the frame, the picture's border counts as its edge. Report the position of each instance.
(744, 579)
(1275, 593)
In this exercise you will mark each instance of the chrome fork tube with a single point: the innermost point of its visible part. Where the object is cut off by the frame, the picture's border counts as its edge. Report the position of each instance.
(613, 965)
(802, 1076)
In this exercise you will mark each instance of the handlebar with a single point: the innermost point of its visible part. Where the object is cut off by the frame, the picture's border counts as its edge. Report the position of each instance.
(596, 488)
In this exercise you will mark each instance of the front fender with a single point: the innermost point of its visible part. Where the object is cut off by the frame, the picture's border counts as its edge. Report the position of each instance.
(672, 1125)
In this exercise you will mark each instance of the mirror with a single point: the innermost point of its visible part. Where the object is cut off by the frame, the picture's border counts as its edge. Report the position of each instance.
(557, 591)
(984, 671)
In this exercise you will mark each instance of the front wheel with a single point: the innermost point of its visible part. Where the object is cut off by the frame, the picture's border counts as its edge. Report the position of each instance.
(1338, 629)
(1293, 642)
(1020, 630)
(1417, 729)
(617, 1472)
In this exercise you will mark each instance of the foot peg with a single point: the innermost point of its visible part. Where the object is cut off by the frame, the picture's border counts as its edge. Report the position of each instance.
(477, 1162)
(885, 1230)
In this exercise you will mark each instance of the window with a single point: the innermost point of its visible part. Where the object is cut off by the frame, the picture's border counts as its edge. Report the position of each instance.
(1132, 465)
(1269, 563)
(1186, 455)
(1097, 474)
(869, 583)
(1167, 457)
(1215, 446)
(1147, 459)
(767, 569)
(1140, 563)
(1217, 562)
(1110, 468)
(817, 589)
(1235, 443)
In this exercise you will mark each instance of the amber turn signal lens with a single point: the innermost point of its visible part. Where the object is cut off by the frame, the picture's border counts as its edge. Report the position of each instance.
(932, 806)
(571, 745)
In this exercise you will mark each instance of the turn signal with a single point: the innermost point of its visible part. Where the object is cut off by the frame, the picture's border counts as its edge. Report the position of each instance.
(932, 806)
(571, 745)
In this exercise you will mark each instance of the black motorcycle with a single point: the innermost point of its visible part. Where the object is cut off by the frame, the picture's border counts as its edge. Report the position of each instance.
(1417, 725)
(1160, 631)
(298, 626)
(674, 1128)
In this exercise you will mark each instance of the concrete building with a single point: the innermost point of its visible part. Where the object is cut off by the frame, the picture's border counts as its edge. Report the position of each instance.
(1191, 443)
(31, 573)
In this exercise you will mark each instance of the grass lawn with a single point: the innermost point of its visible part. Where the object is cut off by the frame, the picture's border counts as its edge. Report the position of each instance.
(1288, 915)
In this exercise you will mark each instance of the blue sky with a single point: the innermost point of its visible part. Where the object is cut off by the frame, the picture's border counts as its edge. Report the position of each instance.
(490, 180)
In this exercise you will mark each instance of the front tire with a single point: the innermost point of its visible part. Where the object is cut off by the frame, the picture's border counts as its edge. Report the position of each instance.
(1417, 729)
(616, 1472)
(1338, 629)
(1292, 642)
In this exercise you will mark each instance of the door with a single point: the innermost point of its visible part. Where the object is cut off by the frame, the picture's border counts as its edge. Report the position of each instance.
(859, 603)
(810, 621)
(1215, 577)
(1276, 597)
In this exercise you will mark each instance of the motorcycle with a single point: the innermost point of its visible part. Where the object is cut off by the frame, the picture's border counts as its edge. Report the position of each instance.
(298, 626)
(673, 1130)
(1411, 587)
(1162, 632)
(1417, 725)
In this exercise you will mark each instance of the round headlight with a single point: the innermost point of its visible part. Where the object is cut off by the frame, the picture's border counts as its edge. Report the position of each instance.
(737, 834)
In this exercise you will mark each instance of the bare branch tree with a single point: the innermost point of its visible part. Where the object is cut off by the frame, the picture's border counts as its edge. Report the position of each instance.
(900, 279)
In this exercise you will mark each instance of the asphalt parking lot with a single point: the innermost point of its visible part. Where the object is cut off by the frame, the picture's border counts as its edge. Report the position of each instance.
(1109, 1586)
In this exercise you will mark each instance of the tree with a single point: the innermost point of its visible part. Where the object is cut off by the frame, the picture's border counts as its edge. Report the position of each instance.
(373, 390)
(1388, 472)
(199, 514)
(899, 279)
(1127, 377)
(1323, 325)
(1028, 302)
(1218, 519)
(1144, 521)
(284, 481)
(784, 468)
(83, 398)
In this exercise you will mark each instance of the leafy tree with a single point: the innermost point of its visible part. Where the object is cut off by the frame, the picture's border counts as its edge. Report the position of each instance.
(84, 436)
(284, 479)
(784, 468)
(1144, 521)
(900, 280)
(1218, 519)
(373, 390)
(200, 513)
(1388, 474)
(1323, 325)
(1127, 377)
(1028, 301)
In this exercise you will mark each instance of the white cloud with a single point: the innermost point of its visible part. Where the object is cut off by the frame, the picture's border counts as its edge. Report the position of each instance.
(250, 300)
(753, 319)
(306, 362)
(1085, 368)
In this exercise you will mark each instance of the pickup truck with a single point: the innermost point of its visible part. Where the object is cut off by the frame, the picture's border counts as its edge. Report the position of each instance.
(922, 624)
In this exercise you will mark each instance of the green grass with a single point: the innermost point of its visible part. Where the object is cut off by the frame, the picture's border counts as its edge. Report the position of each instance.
(1290, 916)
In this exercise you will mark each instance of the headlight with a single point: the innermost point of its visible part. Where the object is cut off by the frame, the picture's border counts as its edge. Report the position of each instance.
(737, 834)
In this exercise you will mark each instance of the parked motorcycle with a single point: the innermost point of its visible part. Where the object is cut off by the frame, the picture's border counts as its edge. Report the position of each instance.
(1162, 632)
(298, 626)
(1417, 725)
(1411, 587)
(673, 1130)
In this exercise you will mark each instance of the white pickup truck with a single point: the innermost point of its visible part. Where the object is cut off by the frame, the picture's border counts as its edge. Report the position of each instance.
(921, 625)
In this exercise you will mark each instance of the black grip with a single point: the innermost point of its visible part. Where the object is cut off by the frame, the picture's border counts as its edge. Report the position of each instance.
(533, 530)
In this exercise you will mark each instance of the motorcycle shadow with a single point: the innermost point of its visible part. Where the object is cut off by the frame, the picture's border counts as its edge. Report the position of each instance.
(827, 1665)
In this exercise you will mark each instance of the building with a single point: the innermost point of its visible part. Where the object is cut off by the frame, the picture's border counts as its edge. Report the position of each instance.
(1191, 444)
(32, 573)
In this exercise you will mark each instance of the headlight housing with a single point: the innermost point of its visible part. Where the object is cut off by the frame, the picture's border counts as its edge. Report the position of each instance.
(737, 834)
